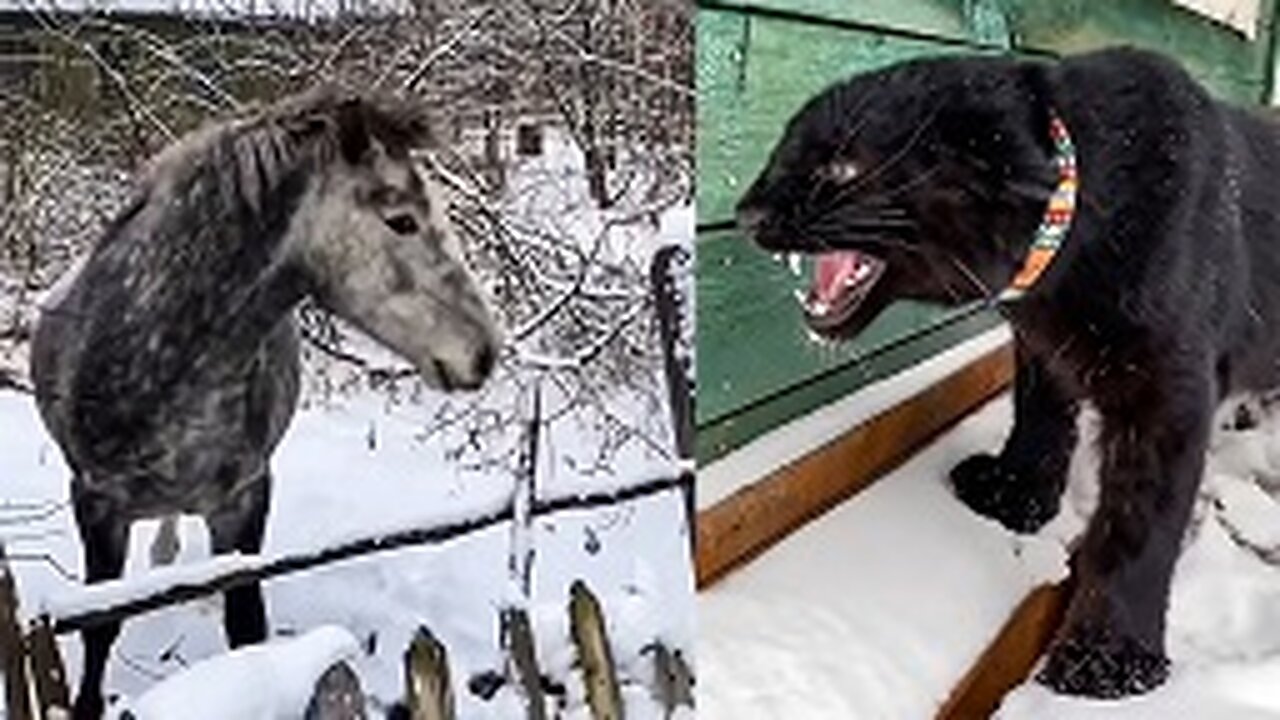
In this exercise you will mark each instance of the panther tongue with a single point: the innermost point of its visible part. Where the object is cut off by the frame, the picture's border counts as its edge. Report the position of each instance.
(836, 276)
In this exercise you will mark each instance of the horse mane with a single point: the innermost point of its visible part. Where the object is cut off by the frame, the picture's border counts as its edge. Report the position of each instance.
(253, 153)
(195, 253)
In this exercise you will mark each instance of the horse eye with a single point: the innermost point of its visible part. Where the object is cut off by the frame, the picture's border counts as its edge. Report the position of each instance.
(402, 224)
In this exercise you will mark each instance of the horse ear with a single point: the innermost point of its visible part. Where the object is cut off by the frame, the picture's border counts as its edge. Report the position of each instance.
(308, 126)
(353, 131)
(417, 126)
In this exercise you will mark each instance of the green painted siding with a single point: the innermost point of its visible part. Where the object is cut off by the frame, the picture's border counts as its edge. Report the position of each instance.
(941, 18)
(758, 61)
(753, 74)
(1225, 61)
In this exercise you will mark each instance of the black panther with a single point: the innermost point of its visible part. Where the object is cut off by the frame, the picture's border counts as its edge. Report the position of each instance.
(1128, 226)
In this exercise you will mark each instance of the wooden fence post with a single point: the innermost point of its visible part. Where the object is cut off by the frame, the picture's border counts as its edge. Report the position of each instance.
(670, 276)
(426, 678)
(586, 621)
(517, 632)
(675, 316)
(48, 674)
(524, 496)
(517, 637)
(672, 679)
(17, 686)
(337, 695)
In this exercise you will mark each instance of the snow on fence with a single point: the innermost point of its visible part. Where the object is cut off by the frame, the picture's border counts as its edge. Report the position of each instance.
(120, 599)
(319, 681)
(35, 677)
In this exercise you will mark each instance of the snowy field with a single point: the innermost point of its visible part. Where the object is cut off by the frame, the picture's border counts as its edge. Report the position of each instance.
(877, 609)
(359, 462)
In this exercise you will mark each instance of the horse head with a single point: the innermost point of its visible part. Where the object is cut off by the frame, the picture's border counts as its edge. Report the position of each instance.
(374, 242)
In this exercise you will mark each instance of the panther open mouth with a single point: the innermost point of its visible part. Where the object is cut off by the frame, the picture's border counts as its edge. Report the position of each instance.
(841, 282)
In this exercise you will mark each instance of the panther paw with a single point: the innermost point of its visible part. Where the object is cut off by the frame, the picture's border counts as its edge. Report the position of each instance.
(1094, 664)
(992, 489)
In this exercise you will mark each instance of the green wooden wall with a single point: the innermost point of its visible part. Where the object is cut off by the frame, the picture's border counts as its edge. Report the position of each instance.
(758, 60)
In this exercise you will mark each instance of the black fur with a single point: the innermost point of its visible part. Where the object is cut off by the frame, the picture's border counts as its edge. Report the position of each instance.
(1164, 298)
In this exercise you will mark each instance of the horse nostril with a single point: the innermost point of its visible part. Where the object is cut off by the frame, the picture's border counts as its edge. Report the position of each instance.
(442, 375)
(484, 362)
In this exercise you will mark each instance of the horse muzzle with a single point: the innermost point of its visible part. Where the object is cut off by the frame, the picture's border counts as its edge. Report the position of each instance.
(466, 373)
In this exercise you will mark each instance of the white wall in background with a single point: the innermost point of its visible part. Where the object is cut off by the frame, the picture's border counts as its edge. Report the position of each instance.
(1241, 15)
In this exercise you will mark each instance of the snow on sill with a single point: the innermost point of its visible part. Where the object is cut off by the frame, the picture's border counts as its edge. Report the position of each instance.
(797, 438)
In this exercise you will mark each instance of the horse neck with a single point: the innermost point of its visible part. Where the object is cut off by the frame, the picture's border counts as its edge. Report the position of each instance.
(204, 270)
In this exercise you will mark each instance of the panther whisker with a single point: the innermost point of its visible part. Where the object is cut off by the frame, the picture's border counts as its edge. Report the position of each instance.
(971, 276)
(900, 154)
(860, 214)
(906, 185)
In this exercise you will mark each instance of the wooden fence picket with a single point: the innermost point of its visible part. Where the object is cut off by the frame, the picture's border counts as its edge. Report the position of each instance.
(427, 680)
(337, 695)
(586, 620)
(517, 638)
(47, 673)
(13, 662)
(672, 679)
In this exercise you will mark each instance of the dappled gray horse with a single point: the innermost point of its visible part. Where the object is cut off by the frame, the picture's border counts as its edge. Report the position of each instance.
(167, 367)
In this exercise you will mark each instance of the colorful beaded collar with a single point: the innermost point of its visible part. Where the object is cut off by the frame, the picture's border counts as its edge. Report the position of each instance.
(1057, 218)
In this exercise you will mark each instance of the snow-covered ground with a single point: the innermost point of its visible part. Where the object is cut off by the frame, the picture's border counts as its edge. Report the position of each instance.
(877, 609)
(213, 689)
(330, 485)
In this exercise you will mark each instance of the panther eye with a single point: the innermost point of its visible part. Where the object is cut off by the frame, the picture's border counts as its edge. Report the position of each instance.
(402, 224)
(842, 171)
